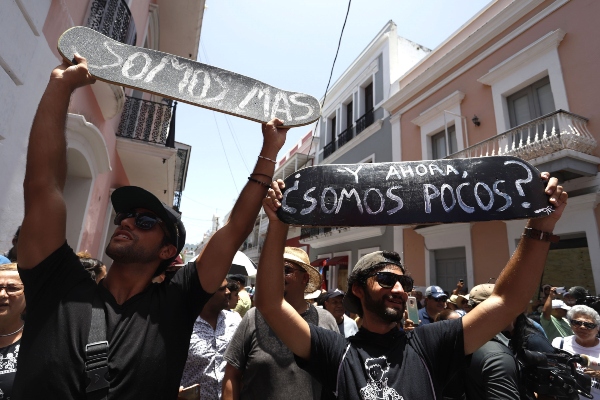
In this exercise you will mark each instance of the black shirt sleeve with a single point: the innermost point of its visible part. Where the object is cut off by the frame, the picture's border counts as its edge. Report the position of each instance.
(48, 282)
(327, 350)
(187, 283)
(442, 346)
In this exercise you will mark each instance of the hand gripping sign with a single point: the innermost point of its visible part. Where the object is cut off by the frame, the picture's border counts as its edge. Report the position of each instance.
(186, 80)
(416, 192)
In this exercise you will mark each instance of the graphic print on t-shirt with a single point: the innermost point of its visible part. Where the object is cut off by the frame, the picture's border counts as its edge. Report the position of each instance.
(8, 364)
(377, 387)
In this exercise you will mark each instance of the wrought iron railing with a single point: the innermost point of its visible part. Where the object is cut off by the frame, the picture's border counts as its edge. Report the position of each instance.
(345, 136)
(329, 149)
(305, 233)
(113, 19)
(145, 120)
(559, 130)
(365, 121)
(180, 162)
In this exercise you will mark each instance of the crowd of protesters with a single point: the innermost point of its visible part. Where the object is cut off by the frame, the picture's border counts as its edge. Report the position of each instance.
(151, 326)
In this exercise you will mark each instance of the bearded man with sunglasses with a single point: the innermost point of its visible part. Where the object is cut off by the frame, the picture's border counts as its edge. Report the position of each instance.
(380, 361)
(148, 326)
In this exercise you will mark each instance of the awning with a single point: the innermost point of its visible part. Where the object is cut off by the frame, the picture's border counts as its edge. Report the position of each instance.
(340, 260)
(319, 262)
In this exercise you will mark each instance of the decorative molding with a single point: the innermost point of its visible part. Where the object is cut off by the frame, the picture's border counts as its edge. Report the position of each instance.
(434, 111)
(110, 98)
(544, 44)
(88, 135)
(361, 137)
(350, 87)
(401, 96)
(347, 235)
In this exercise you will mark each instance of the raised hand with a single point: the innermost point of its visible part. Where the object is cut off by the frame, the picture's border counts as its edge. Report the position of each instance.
(73, 76)
(274, 137)
(272, 202)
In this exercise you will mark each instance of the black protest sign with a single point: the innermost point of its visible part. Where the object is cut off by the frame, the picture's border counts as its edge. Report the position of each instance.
(418, 192)
(186, 80)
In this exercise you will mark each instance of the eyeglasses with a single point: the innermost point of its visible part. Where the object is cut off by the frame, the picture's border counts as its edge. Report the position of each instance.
(289, 269)
(387, 280)
(587, 325)
(13, 290)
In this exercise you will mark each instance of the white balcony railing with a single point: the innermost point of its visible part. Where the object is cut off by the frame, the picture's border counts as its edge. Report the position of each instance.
(559, 130)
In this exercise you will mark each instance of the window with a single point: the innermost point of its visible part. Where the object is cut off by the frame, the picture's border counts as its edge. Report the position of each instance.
(349, 115)
(368, 97)
(332, 130)
(531, 102)
(438, 143)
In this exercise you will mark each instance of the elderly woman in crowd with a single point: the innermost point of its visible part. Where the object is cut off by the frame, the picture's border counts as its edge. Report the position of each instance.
(12, 308)
(585, 323)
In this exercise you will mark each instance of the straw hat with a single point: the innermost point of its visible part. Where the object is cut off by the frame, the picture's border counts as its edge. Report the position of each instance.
(299, 257)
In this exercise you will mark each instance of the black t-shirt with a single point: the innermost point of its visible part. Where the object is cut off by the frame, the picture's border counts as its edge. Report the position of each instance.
(8, 368)
(148, 335)
(395, 365)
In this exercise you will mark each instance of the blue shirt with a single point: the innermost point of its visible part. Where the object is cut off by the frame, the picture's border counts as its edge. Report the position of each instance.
(4, 260)
(424, 317)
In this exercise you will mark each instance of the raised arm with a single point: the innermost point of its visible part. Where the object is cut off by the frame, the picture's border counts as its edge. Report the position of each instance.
(547, 309)
(283, 319)
(517, 281)
(44, 224)
(215, 260)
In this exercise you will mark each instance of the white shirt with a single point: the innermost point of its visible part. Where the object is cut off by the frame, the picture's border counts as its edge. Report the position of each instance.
(570, 345)
(205, 364)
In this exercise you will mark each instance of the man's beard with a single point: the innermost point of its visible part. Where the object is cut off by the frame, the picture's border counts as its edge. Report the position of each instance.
(378, 307)
(131, 253)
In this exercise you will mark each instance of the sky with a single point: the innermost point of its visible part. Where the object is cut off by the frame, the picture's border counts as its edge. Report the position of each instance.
(291, 45)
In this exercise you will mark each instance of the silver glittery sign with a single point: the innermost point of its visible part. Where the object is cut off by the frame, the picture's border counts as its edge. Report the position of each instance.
(186, 80)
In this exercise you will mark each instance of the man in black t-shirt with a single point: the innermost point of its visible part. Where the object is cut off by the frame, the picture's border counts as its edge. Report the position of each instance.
(380, 361)
(148, 326)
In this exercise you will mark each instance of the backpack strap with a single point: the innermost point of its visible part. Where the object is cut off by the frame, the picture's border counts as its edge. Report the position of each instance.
(96, 353)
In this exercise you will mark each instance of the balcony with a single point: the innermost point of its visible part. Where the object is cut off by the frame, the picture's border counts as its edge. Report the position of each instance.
(145, 120)
(318, 237)
(365, 121)
(148, 151)
(365, 124)
(113, 18)
(181, 167)
(556, 142)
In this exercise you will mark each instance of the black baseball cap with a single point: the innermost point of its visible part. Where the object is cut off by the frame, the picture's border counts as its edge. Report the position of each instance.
(127, 198)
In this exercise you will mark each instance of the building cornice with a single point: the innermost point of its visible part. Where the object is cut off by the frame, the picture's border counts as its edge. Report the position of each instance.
(435, 110)
(544, 44)
(402, 95)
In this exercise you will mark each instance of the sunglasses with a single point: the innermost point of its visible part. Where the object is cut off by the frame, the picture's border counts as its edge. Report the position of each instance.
(587, 325)
(439, 299)
(289, 269)
(144, 221)
(388, 280)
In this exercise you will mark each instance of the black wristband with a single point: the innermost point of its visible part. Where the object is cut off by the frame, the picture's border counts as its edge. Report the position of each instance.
(267, 185)
(539, 235)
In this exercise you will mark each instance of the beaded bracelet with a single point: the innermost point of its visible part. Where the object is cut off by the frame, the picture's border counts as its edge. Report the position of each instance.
(251, 179)
(265, 175)
(268, 159)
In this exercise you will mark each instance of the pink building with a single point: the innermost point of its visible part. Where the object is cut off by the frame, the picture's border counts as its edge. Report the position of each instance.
(116, 136)
(520, 79)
